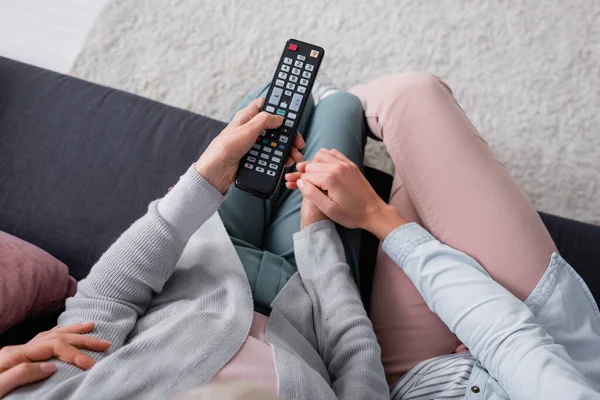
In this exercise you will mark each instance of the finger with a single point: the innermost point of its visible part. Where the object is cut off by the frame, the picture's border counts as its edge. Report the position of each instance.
(319, 167)
(301, 166)
(23, 374)
(261, 121)
(339, 155)
(69, 354)
(289, 162)
(299, 142)
(291, 185)
(247, 113)
(292, 176)
(86, 342)
(319, 179)
(316, 196)
(85, 327)
(296, 155)
(325, 156)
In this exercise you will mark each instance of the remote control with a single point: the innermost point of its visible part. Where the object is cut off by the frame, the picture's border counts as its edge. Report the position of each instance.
(261, 169)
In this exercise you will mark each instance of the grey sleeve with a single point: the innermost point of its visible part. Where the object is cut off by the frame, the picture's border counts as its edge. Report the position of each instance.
(345, 335)
(123, 281)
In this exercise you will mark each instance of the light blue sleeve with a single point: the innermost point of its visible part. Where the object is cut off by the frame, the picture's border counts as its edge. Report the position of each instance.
(499, 329)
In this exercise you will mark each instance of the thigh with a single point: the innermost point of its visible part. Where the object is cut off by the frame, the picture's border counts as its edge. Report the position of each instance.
(460, 193)
(245, 216)
(336, 122)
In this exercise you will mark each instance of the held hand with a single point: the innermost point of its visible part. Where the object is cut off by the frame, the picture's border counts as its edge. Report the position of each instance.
(20, 365)
(309, 214)
(219, 163)
(339, 189)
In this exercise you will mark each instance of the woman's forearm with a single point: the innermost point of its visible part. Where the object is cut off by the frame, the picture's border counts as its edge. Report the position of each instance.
(121, 284)
(498, 328)
(345, 335)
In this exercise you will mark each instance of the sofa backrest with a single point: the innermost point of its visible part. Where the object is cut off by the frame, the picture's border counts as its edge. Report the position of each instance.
(80, 162)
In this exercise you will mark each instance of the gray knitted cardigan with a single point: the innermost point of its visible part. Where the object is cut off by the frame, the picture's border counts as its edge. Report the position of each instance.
(172, 297)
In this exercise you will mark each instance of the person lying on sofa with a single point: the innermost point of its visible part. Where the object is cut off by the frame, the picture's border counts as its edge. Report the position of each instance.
(176, 294)
(530, 322)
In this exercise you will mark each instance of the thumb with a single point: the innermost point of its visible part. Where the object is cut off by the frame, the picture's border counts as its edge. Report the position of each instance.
(316, 196)
(263, 120)
(23, 374)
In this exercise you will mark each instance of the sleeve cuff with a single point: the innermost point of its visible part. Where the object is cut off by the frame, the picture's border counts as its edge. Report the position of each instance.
(405, 239)
(191, 202)
(317, 248)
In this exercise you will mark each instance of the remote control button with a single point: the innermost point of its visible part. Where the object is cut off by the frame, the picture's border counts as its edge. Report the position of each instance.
(275, 96)
(296, 101)
(259, 169)
(256, 146)
(274, 166)
(287, 61)
(298, 64)
(265, 156)
(280, 112)
(293, 47)
(262, 133)
(301, 89)
(291, 115)
(289, 122)
(290, 86)
(273, 144)
(300, 57)
(293, 78)
(271, 173)
(288, 92)
(267, 149)
(295, 71)
(283, 75)
(286, 68)
(254, 153)
(308, 67)
(283, 104)
(284, 129)
(304, 74)
(281, 146)
(304, 81)
(278, 153)
(276, 159)
(262, 162)
(251, 159)
(265, 141)
(279, 82)
(314, 53)
(270, 109)
(283, 139)
(248, 165)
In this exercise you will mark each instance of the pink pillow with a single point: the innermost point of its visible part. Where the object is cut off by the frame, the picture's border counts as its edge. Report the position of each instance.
(32, 282)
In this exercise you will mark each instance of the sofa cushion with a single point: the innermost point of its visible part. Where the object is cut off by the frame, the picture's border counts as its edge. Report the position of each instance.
(80, 162)
(32, 282)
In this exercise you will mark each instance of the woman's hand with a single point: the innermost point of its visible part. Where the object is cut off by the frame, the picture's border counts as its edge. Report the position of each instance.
(20, 365)
(309, 214)
(219, 163)
(339, 189)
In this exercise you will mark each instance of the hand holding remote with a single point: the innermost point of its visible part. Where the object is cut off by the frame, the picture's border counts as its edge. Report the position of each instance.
(220, 162)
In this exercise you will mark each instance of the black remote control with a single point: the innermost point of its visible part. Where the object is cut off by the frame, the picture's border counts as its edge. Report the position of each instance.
(261, 169)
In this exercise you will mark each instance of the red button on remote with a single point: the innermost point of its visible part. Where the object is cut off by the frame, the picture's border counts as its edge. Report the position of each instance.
(293, 47)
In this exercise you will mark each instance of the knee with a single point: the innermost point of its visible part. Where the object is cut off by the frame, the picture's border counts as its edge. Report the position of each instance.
(407, 84)
(346, 102)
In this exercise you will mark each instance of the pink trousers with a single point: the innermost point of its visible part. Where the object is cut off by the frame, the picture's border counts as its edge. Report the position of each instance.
(447, 180)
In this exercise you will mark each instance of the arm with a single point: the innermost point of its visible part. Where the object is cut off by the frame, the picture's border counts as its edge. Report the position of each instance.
(121, 284)
(499, 329)
(345, 335)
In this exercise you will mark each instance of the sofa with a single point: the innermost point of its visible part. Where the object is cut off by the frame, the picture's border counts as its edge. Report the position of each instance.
(80, 162)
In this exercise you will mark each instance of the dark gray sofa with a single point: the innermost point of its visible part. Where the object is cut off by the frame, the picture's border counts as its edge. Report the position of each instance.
(80, 162)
